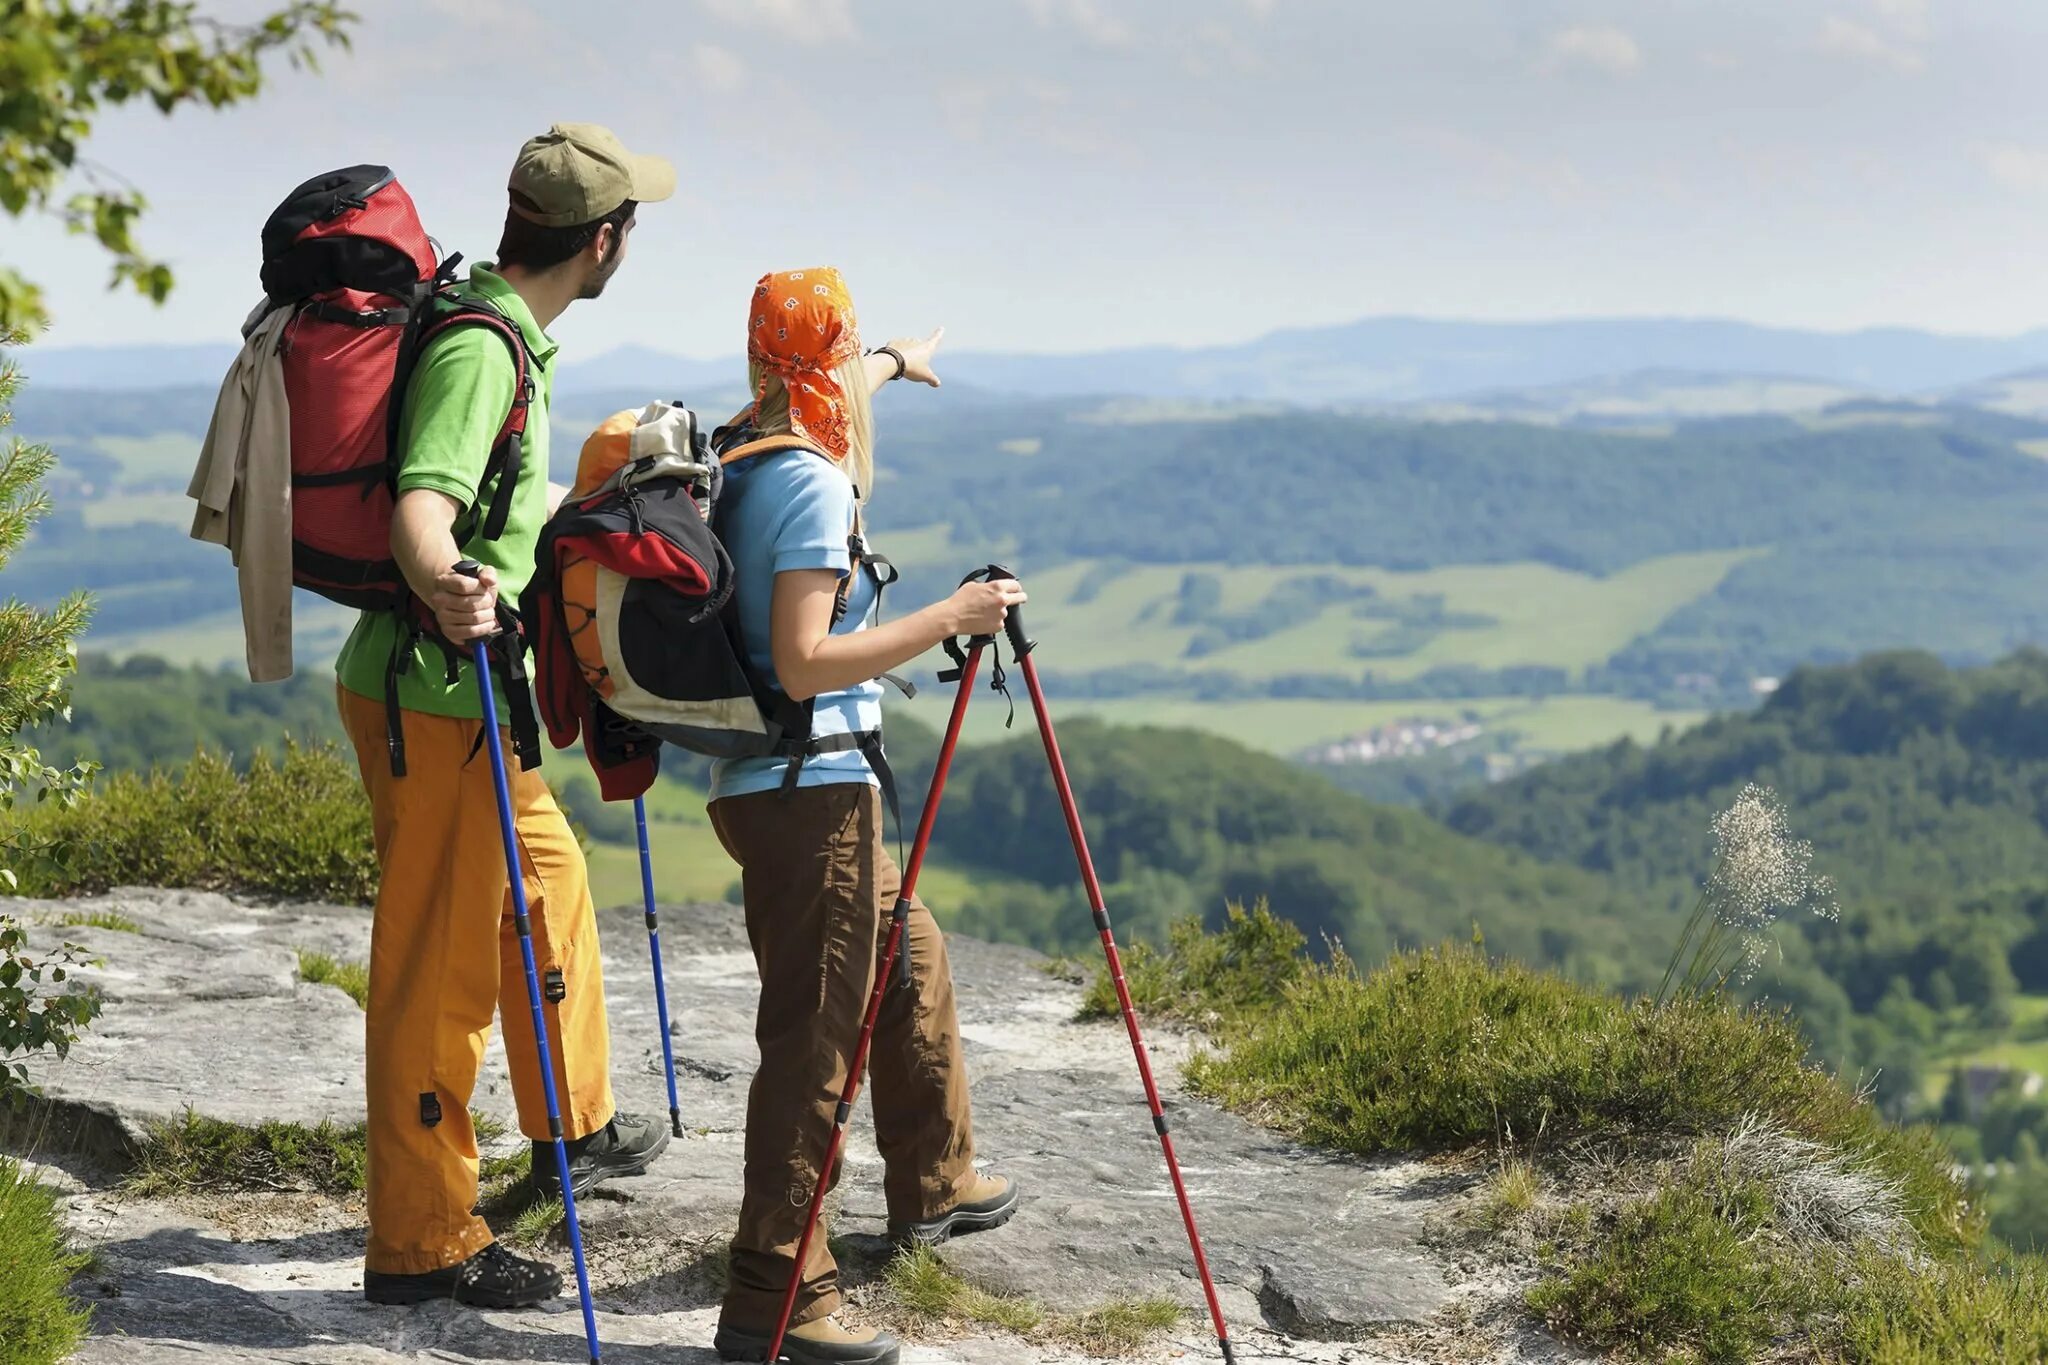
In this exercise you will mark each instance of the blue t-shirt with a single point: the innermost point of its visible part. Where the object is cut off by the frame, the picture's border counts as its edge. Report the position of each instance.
(794, 510)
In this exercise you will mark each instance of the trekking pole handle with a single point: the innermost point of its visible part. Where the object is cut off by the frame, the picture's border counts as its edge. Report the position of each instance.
(469, 568)
(1013, 619)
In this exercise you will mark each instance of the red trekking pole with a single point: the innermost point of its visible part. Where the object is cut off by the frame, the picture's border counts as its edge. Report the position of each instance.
(1021, 645)
(898, 923)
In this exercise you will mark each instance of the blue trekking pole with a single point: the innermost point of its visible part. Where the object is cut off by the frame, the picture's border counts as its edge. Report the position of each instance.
(668, 1052)
(469, 568)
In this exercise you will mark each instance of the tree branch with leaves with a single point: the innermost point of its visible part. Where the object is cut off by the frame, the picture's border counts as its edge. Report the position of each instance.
(64, 62)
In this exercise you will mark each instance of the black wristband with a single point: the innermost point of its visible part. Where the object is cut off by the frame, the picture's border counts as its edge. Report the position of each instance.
(895, 355)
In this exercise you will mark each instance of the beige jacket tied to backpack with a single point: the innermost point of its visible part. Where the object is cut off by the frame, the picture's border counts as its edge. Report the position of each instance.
(243, 486)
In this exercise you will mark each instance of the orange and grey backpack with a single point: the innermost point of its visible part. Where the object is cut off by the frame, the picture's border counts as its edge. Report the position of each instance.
(636, 633)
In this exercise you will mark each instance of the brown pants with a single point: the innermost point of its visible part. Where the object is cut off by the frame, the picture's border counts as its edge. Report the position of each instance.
(819, 886)
(444, 957)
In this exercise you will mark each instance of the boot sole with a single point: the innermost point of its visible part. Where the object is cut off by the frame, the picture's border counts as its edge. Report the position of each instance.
(409, 1296)
(958, 1223)
(731, 1345)
(599, 1174)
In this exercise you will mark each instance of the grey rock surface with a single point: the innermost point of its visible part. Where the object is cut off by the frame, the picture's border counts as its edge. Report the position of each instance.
(1310, 1253)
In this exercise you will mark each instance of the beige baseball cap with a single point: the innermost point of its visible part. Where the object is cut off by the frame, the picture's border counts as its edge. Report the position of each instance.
(576, 173)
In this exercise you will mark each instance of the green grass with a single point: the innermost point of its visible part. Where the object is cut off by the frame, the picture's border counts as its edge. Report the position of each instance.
(353, 978)
(40, 1324)
(1446, 1049)
(1677, 1270)
(534, 1222)
(1799, 1221)
(194, 1154)
(97, 919)
(929, 1294)
(927, 1290)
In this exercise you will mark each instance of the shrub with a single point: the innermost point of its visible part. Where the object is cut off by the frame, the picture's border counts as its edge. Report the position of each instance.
(1675, 1270)
(1444, 1048)
(1201, 976)
(39, 1323)
(298, 827)
(31, 1018)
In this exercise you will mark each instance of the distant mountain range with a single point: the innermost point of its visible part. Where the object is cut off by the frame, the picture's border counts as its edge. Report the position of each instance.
(1374, 362)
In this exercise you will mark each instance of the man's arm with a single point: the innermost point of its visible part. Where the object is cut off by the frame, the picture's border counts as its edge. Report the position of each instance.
(423, 542)
(453, 409)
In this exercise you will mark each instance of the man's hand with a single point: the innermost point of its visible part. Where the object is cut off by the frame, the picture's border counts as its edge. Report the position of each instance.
(465, 608)
(917, 357)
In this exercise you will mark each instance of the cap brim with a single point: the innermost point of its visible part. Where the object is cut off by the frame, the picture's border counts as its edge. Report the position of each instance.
(654, 179)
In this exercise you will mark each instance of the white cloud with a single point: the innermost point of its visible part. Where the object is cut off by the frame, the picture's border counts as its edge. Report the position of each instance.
(721, 71)
(1600, 46)
(1909, 17)
(1856, 42)
(806, 21)
(2016, 166)
(1262, 9)
(1085, 16)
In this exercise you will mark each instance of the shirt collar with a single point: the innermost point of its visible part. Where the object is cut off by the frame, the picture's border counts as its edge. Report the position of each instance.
(487, 284)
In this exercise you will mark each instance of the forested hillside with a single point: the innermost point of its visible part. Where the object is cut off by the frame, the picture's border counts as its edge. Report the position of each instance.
(1924, 791)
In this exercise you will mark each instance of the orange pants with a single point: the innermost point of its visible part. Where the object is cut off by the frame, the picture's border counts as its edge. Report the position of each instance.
(444, 955)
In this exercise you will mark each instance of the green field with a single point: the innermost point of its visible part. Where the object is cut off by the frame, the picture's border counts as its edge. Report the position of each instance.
(318, 629)
(2023, 1046)
(1539, 615)
(689, 863)
(1286, 725)
(164, 461)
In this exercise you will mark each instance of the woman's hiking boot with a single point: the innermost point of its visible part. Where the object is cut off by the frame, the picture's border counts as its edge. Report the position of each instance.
(627, 1145)
(493, 1278)
(821, 1341)
(987, 1203)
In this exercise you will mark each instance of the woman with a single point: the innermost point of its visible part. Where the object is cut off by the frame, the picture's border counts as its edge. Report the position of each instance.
(816, 875)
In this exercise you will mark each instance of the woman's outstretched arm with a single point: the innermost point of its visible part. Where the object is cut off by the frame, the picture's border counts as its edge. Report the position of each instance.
(810, 659)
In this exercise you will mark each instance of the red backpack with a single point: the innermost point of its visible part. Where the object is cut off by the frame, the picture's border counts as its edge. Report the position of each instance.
(347, 252)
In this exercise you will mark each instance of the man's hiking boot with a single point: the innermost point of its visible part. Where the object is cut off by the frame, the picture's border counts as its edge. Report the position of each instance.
(627, 1145)
(819, 1342)
(493, 1278)
(988, 1203)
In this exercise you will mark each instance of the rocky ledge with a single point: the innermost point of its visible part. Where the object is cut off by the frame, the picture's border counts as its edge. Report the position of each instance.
(1316, 1258)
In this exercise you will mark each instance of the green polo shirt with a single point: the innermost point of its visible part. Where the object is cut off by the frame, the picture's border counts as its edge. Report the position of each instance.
(454, 408)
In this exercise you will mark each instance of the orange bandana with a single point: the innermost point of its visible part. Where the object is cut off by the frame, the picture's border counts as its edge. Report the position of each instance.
(800, 329)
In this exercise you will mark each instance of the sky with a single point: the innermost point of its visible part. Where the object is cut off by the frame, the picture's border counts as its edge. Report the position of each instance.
(1070, 175)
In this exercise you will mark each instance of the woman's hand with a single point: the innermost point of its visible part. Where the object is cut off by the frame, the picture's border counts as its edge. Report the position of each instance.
(917, 357)
(981, 608)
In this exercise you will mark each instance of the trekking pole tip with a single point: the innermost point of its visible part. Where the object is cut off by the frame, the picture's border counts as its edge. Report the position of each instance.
(675, 1122)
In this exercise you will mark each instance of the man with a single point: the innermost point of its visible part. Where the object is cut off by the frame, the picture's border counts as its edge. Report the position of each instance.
(443, 952)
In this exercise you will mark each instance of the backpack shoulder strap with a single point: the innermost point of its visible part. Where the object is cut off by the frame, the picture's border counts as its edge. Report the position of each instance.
(768, 445)
(507, 449)
(856, 544)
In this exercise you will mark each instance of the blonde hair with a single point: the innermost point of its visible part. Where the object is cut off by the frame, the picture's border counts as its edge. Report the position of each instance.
(771, 416)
